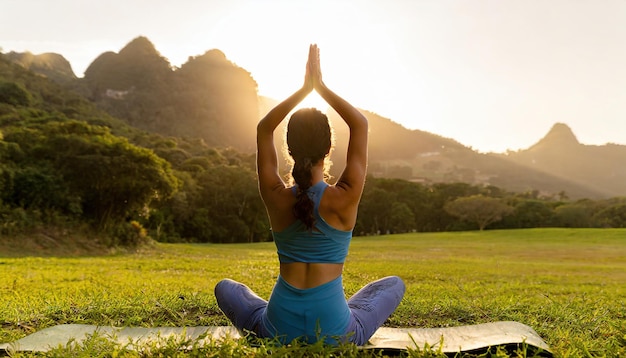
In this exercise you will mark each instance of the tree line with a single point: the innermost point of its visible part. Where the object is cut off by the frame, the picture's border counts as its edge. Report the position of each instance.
(396, 206)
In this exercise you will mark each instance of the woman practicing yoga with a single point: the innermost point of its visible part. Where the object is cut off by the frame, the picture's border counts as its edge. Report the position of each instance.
(312, 225)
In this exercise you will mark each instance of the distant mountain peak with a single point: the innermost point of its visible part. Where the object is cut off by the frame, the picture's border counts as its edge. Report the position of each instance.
(216, 55)
(140, 46)
(560, 135)
(51, 65)
(211, 57)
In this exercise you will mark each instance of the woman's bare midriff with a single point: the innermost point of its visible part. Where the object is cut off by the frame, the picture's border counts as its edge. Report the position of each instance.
(308, 275)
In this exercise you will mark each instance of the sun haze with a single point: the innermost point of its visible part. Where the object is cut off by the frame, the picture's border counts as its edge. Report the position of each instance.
(493, 75)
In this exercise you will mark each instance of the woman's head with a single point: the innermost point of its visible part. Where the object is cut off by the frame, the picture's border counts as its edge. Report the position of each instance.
(309, 135)
(309, 141)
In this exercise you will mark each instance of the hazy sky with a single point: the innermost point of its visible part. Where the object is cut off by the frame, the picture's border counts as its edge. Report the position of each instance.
(494, 75)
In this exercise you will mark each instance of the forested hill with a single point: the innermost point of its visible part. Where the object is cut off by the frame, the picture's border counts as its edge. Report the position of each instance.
(50, 65)
(210, 98)
(207, 97)
(396, 152)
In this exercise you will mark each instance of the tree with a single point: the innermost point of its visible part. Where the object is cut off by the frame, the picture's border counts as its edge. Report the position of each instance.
(40, 188)
(228, 207)
(573, 215)
(436, 217)
(402, 218)
(375, 210)
(116, 179)
(82, 168)
(479, 209)
(612, 216)
(532, 213)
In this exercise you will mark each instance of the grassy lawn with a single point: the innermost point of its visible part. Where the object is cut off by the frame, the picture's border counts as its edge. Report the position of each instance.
(567, 284)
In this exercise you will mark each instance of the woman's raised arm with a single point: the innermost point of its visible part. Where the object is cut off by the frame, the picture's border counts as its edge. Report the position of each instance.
(267, 159)
(353, 177)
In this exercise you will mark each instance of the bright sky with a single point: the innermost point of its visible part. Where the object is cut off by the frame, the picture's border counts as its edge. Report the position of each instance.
(491, 74)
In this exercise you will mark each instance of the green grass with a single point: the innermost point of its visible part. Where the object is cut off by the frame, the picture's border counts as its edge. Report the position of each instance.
(567, 284)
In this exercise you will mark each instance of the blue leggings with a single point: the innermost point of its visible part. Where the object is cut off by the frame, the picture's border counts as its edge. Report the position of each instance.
(369, 308)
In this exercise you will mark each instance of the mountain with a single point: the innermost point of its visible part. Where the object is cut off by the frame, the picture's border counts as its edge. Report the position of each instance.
(138, 66)
(211, 98)
(424, 157)
(208, 97)
(50, 65)
(601, 168)
(560, 137)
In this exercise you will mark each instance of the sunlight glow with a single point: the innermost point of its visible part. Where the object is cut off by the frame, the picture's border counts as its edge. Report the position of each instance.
(313, 100)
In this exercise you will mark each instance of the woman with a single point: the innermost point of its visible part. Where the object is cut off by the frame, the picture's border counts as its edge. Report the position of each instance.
(312, 224)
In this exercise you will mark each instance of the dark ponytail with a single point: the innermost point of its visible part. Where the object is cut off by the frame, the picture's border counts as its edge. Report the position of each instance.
(309, 139)
(303, 208)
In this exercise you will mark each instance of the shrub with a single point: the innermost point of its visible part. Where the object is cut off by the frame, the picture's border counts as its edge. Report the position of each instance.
(14, 94)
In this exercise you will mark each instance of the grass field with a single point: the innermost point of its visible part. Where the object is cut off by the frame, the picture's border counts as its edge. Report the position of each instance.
(567, 284)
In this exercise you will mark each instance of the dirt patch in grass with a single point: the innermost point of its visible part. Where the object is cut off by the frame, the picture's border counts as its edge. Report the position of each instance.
(47, 242)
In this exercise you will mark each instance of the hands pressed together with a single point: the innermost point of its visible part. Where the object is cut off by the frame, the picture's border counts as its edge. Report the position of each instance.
(313, 75)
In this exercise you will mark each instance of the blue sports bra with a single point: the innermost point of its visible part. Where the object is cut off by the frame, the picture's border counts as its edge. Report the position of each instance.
(322, 244)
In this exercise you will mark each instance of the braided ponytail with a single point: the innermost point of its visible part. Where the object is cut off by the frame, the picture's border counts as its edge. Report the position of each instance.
(303, 208)
(309, 139)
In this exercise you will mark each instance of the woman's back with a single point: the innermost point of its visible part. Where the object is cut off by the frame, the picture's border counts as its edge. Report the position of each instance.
(312, 257)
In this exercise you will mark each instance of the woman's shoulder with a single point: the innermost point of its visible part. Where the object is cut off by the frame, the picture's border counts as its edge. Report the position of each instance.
(337, 197)
(280, 208)
(279, 198)
(338, 208)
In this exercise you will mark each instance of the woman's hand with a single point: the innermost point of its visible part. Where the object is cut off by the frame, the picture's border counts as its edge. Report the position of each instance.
(309, 76)
(314, 68)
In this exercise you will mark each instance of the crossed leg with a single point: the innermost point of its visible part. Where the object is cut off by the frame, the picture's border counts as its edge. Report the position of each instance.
(372, 305)
(242, 306)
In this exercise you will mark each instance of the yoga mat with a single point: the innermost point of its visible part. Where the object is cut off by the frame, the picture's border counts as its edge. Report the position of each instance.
(448, 339)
